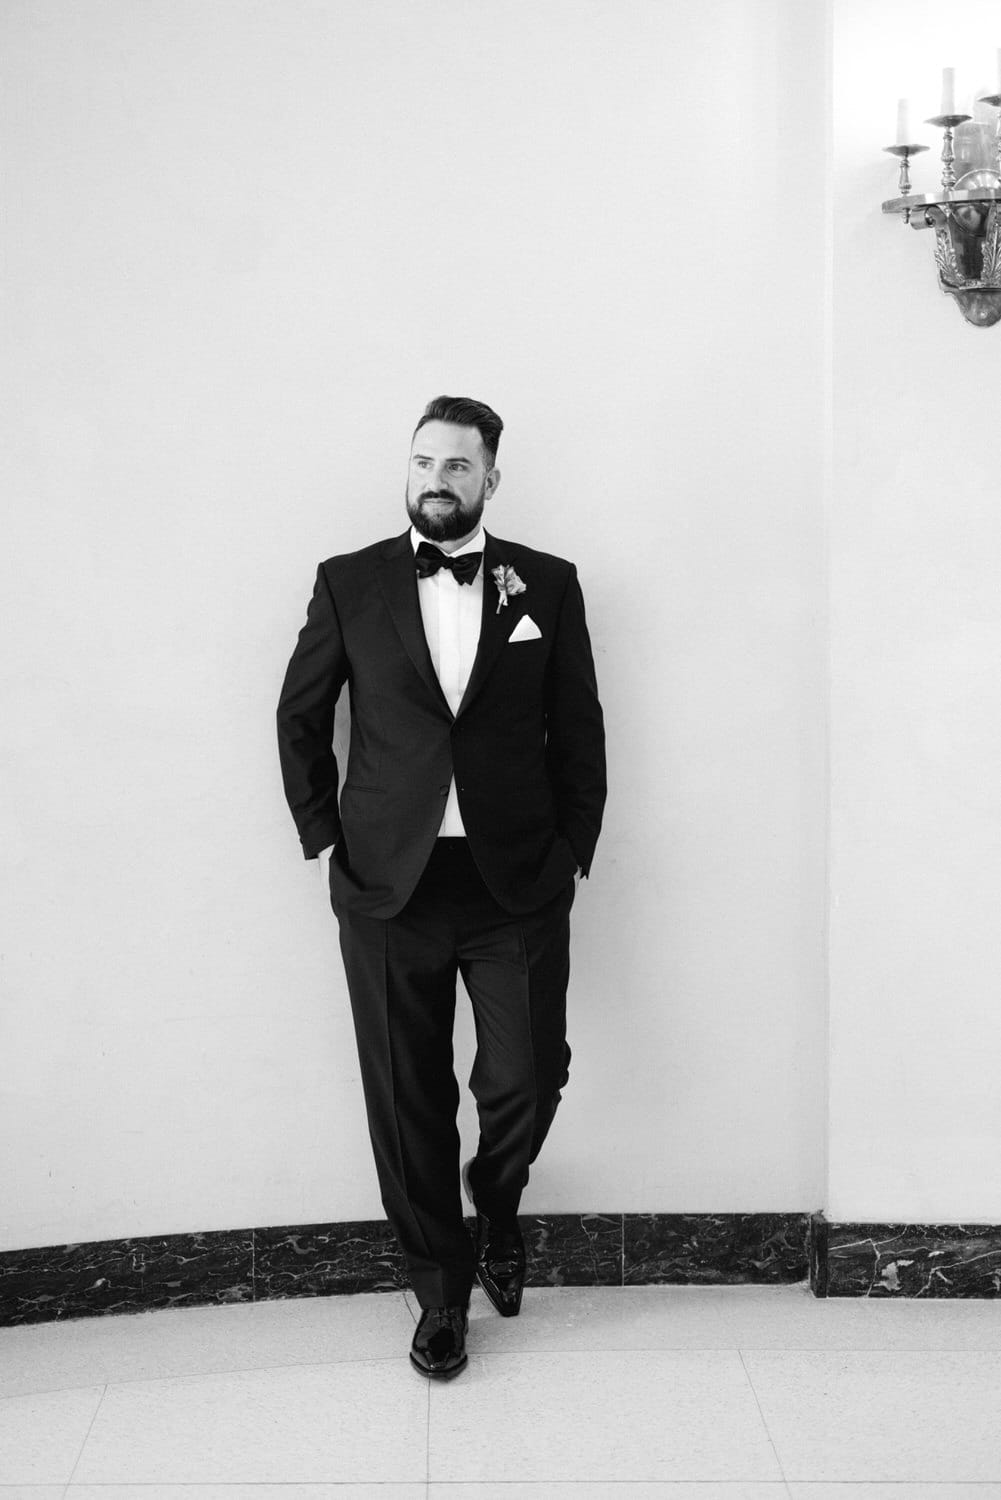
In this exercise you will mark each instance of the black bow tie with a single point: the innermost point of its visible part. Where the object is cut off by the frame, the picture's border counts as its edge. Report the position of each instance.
(429, 559)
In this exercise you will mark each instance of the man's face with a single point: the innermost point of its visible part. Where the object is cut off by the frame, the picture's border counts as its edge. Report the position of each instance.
(449, 481)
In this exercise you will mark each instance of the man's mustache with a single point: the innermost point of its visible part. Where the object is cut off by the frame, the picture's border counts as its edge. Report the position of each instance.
(439, 495)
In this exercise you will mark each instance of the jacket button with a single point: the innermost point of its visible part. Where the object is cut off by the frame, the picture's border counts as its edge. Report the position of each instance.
(443, 791)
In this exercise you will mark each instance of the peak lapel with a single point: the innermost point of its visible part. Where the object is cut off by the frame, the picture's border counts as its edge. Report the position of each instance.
(398, 581)
(496, 624)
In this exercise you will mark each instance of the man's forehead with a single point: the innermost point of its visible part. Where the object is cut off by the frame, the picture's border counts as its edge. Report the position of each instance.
(439, 438)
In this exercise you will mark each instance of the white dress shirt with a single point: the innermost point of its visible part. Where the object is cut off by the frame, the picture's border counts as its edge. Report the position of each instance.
(451, 612)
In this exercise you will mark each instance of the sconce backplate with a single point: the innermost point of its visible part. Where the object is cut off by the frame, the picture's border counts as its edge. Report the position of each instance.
(967, 226)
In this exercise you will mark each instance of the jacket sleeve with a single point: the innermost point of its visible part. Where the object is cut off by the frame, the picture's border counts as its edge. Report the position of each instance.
(316, 673)
(575, 730)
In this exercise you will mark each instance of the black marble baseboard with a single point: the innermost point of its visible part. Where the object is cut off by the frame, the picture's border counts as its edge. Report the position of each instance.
(322, 1260)
(714, 1249)
(905, 1260)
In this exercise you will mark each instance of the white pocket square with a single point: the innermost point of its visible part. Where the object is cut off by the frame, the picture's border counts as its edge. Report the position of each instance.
(525, 630)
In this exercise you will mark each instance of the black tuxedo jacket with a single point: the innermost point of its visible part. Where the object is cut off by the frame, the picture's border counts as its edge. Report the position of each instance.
(526, 746)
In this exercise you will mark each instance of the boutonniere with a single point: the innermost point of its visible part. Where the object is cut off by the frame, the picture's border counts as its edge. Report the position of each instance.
(507, 582)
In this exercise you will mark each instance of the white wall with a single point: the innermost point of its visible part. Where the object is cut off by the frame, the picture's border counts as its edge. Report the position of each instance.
(247, 242)
(915, 1124)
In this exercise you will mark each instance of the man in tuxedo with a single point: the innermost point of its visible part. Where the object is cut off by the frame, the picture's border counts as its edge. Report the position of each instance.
(470, 806)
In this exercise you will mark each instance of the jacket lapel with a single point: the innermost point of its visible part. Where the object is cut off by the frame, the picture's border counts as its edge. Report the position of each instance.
(496, 624)
(398, 581)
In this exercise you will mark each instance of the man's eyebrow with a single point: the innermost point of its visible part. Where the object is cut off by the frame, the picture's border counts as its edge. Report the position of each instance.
(456, 458)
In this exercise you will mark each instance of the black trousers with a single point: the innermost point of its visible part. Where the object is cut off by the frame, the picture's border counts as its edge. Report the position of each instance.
(401, 975)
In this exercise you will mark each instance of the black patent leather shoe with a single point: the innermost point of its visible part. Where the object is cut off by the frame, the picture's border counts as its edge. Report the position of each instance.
(439, 1346)
(500, 1257)
(500, 1264)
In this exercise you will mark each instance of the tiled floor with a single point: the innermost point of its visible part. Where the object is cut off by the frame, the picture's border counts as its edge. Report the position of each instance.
(689, 1393)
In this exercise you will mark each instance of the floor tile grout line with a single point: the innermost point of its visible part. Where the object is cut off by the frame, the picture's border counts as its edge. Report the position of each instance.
(427, 1449)
(309, 1364)
(771, 1440)
(483, 1356)
(376, 1484)
(86, 1437)
(588, 1349)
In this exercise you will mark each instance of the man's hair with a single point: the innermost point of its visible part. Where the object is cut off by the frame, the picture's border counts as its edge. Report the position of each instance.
(464, 412)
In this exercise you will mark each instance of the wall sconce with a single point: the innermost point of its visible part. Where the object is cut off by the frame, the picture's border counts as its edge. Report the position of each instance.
(965, 213)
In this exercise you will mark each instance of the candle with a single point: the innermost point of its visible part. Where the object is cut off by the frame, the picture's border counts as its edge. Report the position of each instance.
(903, 122)
(948, 92)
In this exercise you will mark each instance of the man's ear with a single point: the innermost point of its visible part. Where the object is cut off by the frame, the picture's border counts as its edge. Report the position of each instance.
(493, 480)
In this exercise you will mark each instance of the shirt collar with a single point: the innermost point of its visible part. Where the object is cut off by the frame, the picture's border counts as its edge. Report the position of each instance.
(475, 543)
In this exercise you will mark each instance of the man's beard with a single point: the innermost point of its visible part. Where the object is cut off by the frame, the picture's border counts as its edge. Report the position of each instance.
(445, 525)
